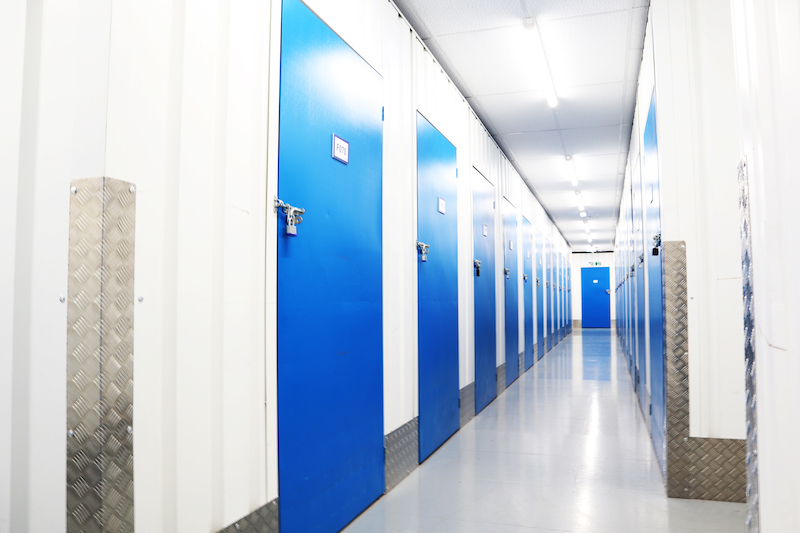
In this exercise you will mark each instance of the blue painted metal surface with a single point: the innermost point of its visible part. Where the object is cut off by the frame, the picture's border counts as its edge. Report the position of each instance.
(528, 283)
(438, 289)
(562, 304)
(484, 284)
(510, 247)
(548, 288)
(540, 281)
(652, 206)
(330, 311)
(638, 247)
(595, 300)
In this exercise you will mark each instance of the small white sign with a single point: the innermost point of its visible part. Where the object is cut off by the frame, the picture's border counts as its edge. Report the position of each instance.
(341, 149)
(441, 205)
(594, 281)
(529, 255)
(510, 245)
(485, 231)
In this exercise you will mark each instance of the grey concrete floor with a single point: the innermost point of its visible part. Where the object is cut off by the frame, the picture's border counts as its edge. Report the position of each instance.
(563, 449)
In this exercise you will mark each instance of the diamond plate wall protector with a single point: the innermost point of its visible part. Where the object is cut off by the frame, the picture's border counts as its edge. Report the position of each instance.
(535, 352)
(265, 519)
(100, 356)
(402, 452)
(501, 379)
(521, 363)
(466, 402)
(699, 469)
(751, 462)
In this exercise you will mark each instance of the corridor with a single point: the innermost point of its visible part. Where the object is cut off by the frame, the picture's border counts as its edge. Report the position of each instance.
(563, 449)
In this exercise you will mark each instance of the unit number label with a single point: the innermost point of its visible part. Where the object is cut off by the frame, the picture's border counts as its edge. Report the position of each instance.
(485, 231)
(341, 149)
(441, 205)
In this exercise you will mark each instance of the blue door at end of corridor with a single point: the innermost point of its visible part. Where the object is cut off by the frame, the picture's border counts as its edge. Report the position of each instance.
(437, 289)
(330, 383)
(539, 295)
(510, 277)
(484, 285)
(652, 209)
(595, 297)
(528, 287)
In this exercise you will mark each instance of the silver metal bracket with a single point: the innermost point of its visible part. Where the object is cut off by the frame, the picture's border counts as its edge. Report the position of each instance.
(507, 271)
(525, 277)
(477, 264)
(293, 217)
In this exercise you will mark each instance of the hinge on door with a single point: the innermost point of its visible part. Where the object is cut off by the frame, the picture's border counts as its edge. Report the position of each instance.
(383, 113)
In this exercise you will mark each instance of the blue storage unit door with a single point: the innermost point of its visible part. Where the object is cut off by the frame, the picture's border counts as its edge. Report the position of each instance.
(548, 304)
(438, 288)
(540, 294)
(330, 311)
(484, 284)
(652, 206)
(510, 277)
(638, 243)
(528, 285)
(561, 301)
(595, 297)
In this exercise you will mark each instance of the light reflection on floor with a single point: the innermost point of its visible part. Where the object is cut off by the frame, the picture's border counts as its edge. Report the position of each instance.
(564, 449)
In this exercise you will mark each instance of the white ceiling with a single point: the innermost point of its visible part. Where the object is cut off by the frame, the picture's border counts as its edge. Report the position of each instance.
(593, 48)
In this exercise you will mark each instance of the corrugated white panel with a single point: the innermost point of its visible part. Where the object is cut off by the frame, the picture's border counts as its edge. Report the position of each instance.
(192, 136)
(55, 92)
(399, 229)
(480, 148)
(12, 64)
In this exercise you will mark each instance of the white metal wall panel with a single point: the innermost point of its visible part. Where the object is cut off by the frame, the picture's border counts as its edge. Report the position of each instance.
(399, 213)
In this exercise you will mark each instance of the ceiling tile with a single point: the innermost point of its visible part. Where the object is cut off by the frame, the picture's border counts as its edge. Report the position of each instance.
(556, 9)
(533, 145)
(596, 165)
(586, 50)
(492, 61)
(444, 17)
(545, 167)
(518, 112)
(590, 105)
(592, 141)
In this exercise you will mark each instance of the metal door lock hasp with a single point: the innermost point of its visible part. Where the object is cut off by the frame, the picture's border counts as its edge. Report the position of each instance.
(293, 217)
(423, 251)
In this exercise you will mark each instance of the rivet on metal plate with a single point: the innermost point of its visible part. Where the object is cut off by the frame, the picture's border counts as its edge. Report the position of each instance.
(71, 433)
(132, 189)
(62, 299)
(74, 190)
(130, 429)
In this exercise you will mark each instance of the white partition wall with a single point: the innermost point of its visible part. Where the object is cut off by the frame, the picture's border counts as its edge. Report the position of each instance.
(181, 99)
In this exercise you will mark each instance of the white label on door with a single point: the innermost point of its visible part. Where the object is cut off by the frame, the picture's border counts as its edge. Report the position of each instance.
(485, 231)
(441, 205)
(341, 149)
(510, 245)
(595, 281)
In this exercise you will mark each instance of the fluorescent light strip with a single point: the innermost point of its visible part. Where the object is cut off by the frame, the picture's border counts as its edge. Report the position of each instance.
(538, 49)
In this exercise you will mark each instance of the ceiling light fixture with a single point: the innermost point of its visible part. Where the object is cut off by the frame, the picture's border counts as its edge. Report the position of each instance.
(583, 214)
(572, 171)
(581, 207)
(541, 59)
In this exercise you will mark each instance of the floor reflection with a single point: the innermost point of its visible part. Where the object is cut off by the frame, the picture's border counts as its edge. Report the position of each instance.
(564, 449)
